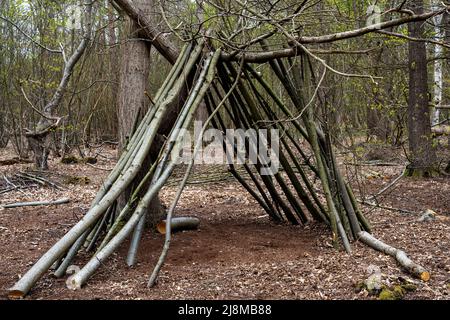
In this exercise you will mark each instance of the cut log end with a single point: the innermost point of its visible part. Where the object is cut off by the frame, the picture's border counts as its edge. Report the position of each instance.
(71, 270)
(425, 276)
(72, 284)
(15, 294)
(161, 227)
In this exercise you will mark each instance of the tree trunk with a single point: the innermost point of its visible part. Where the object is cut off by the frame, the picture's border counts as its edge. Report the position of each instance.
(438, 67)
(40, 139)
(376, 127)
(40, 146)
(133, 102)
(422, 155)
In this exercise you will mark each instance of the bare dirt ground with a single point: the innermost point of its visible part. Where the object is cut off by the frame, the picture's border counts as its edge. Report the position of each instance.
(237, 253)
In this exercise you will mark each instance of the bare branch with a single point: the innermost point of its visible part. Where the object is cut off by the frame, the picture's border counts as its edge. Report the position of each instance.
(29, 37)
(261, 57)
(36, 109)
(372, 28)
(403, 36)
(164, 46)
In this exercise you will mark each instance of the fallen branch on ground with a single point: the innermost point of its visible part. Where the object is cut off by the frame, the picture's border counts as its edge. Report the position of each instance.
(7, 190)
(99, 168)
(376, 205)
(399, 255)
(372, 164)
(39, 179)
(386, 188)
(179, 224)
(36, 203)
(13, 161)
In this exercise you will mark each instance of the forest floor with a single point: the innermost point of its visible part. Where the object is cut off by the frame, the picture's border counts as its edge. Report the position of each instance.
(236, 253)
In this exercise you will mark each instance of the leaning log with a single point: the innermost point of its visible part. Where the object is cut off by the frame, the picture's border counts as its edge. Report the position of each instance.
(119, 179)
(399, 255)
(76, 281)
(179, 224)
(160, 42)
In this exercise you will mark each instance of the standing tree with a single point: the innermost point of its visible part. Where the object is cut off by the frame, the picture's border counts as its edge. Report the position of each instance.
(422, 155)
(39, 138)
(134, 100)
(220, 69)
(438, 68)
(134, 73)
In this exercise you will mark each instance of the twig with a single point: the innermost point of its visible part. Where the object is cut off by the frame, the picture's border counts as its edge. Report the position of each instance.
(28, 36)
(8, 190)
(9, 182)
(402, 36)
(36, 109)
(43, 180)
(372, 164)
(386, 207)
(98, 168)
(42, 183)
(390, 185)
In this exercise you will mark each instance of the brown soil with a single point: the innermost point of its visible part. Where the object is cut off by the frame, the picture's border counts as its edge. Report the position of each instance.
(237, 253)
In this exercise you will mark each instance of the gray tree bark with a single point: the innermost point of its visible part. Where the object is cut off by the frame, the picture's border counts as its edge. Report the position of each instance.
(133, 102)
(422, 154)
(376, 125)
(39, 139)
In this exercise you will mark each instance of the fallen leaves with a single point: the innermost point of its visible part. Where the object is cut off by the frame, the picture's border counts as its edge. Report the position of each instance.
(286, 262)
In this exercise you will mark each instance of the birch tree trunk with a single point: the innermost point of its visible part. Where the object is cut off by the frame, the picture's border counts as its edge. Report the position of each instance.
(438, 66)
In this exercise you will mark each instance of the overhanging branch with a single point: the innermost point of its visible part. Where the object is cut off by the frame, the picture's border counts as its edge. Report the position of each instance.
(164, 46)
(372, 28)
(293, 51)
(170, 51)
